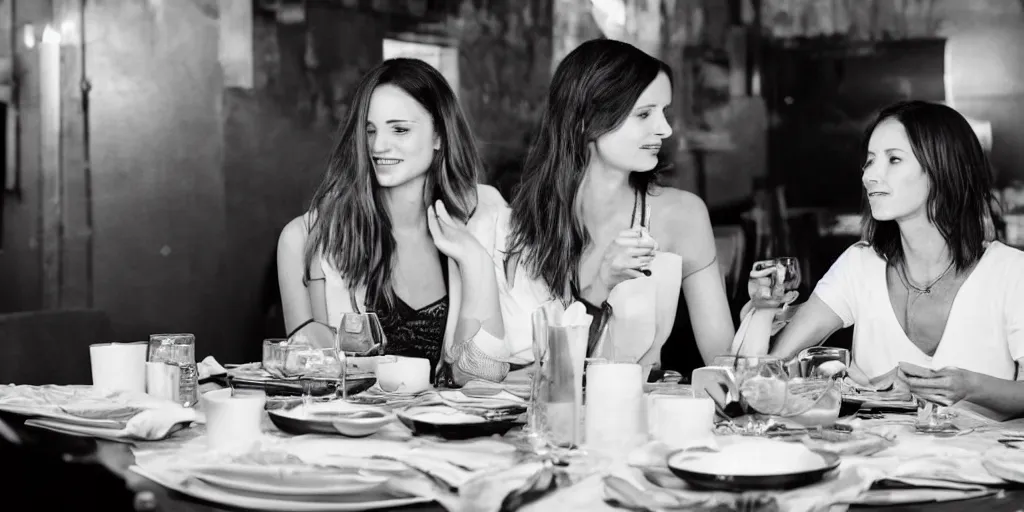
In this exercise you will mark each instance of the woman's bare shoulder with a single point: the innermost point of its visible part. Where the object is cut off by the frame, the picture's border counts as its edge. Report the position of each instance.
(680, 221)
(293, 236)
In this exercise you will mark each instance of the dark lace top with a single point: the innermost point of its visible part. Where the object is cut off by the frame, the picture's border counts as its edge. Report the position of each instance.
(416, 332)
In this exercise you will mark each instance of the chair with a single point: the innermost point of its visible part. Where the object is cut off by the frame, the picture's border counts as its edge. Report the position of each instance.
(50, 347)
(730, 243)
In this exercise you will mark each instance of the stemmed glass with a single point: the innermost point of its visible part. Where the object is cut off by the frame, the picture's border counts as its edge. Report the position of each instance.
(360, 334)
(786, 278)
(314, 365)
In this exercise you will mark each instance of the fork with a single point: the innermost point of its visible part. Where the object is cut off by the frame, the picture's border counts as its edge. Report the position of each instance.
(755, 502)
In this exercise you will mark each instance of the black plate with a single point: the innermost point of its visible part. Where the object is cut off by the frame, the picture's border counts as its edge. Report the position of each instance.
(455, 431)
(718, 482)
(293, 387)
(360, 427)
(849, 407)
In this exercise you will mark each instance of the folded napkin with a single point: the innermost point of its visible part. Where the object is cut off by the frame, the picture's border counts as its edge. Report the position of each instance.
(498, 401)
(89, 411)
(420, 469)
(1005, 463)
(517, 383)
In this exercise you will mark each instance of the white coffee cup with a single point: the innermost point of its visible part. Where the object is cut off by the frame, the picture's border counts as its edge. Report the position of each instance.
(399, 374)
(233, 418)
(119, 366)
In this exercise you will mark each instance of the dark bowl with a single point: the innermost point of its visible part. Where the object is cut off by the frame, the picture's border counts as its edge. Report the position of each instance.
(456, 431)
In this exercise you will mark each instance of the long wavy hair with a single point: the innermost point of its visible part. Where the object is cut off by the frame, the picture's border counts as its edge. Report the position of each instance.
(960, 200)
(592, 93)
(351, 225)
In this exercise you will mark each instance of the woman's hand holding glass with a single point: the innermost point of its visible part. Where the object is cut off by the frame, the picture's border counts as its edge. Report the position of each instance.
(773, 284)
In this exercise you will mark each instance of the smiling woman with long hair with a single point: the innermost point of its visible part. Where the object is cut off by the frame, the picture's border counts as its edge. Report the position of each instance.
(589, 217)
(935, 303)
(400, 226)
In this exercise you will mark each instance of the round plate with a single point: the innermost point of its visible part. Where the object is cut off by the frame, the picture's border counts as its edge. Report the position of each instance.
(450, 423)
(680, 463)
(288, 482)
(335, 417)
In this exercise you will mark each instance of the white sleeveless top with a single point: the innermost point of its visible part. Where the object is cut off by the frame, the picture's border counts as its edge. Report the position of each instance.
(984, 332)
(644, 308)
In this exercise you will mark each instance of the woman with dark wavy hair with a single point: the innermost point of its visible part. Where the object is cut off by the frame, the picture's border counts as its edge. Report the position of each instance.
(935, 303)
(589, 222)
(400, 226)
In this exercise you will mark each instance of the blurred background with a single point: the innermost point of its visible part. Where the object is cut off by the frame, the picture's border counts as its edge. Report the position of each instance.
(152, 150)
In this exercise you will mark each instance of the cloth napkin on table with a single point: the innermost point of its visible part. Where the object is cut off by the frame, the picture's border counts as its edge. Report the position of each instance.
(93, 412)
(517, 384)
(497, 400)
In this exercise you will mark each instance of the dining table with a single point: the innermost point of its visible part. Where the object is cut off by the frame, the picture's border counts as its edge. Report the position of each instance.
(97, 471)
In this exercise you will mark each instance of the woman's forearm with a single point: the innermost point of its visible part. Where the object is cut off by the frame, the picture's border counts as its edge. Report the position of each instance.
(813, 323)
(1000, 395)
(480, 308)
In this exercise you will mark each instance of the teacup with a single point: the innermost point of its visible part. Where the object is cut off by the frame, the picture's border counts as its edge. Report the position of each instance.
(399, 374)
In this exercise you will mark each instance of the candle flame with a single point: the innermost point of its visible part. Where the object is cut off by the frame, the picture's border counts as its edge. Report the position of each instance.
(28, 34)
(51, 35)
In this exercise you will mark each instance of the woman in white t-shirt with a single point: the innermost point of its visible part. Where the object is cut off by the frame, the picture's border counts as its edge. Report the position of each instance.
(925, 286)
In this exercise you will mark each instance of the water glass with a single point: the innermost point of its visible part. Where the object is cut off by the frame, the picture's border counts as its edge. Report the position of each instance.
(557, 393)
(171, 370)
(274, 355)
(824, 361)
(313, 365)
(360, 334)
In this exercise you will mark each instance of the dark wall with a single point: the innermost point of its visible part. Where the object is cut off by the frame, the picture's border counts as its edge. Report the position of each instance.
(20, 258)
(155, 130)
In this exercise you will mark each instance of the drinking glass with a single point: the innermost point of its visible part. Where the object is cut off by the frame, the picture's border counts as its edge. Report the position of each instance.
(786, 278)
(824, 361)
(760, 385)
(360, 334)
(315, 365)
(765, 389)
(274, 355)
(535, 424)
(172, 367)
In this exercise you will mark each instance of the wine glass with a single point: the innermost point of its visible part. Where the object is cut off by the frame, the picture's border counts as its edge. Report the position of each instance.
(360, 334)
(786, 278)
(760, 386)
(314, 366)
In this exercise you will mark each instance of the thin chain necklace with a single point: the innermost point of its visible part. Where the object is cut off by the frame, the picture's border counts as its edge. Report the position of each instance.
(901, 270)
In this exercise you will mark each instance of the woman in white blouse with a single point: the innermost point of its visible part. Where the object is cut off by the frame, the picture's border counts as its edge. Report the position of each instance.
(925, 286)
